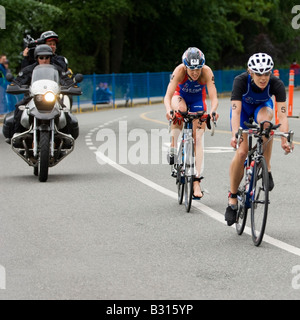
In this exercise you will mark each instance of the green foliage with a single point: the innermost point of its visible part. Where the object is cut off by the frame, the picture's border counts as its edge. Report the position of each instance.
(24, 16)
(105, 36)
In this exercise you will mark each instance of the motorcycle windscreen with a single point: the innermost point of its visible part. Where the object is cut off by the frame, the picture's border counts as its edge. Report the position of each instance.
(45, 72)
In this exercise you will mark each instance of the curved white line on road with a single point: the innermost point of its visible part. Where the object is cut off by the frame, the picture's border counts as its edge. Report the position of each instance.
(196, 204)
(200, 206)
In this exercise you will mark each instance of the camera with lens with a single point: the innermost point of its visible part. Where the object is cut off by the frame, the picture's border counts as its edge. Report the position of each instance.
(30, 43)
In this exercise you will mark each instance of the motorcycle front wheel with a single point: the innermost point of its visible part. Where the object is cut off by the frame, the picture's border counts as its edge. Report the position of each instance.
(44, 155)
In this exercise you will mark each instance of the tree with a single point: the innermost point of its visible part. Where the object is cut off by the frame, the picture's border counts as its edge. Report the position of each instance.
(24, 16)
(105, 36)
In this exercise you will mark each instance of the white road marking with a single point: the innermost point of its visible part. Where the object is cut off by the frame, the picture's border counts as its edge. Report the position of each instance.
(198, 205)
(166, 146)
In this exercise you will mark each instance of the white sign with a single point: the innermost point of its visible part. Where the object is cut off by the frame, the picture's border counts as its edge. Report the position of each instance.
(2, 18)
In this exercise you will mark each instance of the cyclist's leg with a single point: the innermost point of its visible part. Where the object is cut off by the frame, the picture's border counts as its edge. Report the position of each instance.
(198, 135)
(262, 113)
(177, 103)
(236, 173)
(236, 170)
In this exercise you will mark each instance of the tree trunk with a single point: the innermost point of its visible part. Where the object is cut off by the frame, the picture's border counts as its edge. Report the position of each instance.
(118, 29)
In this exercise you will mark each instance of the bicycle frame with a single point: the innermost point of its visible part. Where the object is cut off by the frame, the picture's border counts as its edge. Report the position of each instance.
(189, 157)
(184, 166)
(185, 156)
(254, 154)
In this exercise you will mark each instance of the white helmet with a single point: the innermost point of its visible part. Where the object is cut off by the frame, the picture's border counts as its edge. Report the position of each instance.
(260, 63)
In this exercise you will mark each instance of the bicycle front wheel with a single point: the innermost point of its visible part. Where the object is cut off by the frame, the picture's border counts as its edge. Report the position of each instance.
(188, 192)
(180, 184)
(189, 174)
(259, 200)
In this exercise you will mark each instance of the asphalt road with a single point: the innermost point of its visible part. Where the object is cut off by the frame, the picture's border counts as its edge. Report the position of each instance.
(112, 229)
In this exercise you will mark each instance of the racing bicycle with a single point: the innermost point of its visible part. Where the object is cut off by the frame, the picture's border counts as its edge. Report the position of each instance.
(253, 192)
(184, 163)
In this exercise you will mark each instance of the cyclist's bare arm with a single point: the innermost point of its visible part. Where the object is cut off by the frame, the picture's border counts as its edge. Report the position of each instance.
(236, 107)
(177, 76)
(211, 88)
(284, 127)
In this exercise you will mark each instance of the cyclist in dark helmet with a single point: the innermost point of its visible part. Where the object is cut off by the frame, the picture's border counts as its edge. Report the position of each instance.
(251, 97)
(187, 91)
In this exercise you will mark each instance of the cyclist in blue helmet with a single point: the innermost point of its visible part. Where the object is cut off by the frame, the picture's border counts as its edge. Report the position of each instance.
(187, 91)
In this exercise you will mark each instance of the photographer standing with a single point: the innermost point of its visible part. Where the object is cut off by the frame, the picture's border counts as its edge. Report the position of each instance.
(51, 39)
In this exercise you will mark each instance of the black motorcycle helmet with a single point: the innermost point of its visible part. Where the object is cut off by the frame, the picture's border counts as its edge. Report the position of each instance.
(49, 35)
(42, 50)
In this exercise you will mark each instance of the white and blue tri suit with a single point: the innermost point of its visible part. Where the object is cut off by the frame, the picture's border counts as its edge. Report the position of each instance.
(253, 98)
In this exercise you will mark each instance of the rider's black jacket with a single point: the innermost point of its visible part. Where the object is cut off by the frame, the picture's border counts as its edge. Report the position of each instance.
(56, 59)
(24, 76)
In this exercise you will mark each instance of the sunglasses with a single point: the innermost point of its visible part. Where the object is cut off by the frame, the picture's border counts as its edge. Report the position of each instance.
(193, 68)
(266, 74)
(44, 58)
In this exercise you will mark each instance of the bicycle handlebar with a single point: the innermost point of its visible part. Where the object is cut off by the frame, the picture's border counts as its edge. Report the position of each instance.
(190, 116)
(258, 131)
(202, 116)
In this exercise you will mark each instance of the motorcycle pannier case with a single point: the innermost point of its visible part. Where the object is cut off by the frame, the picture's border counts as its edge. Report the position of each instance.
(8, 125)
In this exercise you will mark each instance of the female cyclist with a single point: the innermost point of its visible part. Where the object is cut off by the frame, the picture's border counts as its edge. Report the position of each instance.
(187, 92)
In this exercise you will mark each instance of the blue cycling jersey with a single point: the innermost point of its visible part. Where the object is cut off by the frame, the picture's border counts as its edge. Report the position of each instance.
(256, 98)
(253, 102)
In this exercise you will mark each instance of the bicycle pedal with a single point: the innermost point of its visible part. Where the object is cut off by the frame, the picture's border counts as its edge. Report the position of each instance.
(174, 174)
(197, 198)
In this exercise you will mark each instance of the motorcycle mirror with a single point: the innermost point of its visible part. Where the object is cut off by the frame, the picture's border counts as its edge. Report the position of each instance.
(78, 77)
(9, 77)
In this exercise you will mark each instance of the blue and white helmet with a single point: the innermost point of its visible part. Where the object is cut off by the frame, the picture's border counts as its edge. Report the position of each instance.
(193, 58)
(260, 63)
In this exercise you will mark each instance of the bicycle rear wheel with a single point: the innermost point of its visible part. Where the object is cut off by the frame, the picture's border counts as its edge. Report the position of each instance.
(242, 211)
(259, 200)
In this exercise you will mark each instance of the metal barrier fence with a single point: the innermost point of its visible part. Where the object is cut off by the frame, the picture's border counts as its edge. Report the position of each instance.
(120, 89)
(7, 101)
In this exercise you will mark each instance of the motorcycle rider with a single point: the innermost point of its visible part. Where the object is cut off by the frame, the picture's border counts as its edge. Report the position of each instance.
(51, 39)
(43, 54)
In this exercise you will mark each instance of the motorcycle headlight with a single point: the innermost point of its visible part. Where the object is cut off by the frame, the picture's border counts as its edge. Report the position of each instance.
(49, 97)
(45, 102)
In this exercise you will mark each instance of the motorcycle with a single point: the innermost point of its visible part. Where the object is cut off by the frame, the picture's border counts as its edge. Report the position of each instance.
(51, 129)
